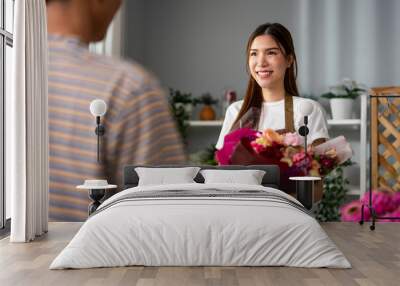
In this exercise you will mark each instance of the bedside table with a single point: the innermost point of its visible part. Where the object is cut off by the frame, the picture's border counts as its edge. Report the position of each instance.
(97, 190)
(305, 186)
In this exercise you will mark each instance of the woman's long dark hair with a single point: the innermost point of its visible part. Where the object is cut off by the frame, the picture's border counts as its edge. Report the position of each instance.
(254, 97)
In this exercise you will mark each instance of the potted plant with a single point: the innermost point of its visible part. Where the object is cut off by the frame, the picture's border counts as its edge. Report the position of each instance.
(181, 106)
(335, 189)
(204, 157)
(207, 112)
(341, 98)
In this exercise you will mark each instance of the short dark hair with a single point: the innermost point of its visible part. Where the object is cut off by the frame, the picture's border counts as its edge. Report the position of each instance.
(51, 1)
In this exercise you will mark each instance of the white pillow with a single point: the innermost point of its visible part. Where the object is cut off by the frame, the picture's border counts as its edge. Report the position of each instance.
(248, 177)
(164, 176)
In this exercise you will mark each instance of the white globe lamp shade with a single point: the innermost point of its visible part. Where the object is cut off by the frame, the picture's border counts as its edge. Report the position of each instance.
(98, 107)
(306, 108)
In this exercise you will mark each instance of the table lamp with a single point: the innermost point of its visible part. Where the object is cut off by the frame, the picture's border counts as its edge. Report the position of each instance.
(305, 184)
(306, 108)
(98, 108)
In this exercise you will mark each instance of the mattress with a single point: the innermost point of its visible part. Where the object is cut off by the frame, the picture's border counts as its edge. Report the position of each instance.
(201, 225)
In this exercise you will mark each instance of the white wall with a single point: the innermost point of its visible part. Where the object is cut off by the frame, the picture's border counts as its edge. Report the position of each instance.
(199, 46)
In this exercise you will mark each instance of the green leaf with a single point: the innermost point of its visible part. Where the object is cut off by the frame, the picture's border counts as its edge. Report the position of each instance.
(334, 195)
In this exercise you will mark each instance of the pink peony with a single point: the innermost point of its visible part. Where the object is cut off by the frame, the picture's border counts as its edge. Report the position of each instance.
(395, 213)
(396, 199)
(302, 163)
(292, 139)
(352, 212)
(299, 156)
(382, 201)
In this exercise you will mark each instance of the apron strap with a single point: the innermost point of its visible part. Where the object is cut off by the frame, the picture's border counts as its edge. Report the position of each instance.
(249, 119)
(289, 121)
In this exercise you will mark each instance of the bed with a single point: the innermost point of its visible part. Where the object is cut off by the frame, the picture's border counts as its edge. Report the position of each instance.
(201, 224)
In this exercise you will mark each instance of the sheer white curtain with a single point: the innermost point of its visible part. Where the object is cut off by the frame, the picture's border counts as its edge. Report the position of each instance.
(26, 124)
(335, 39)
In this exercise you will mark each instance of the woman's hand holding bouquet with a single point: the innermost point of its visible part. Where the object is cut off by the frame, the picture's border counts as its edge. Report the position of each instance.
(246, 146)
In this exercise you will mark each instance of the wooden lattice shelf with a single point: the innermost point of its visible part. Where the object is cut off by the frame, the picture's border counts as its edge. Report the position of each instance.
(385, 138)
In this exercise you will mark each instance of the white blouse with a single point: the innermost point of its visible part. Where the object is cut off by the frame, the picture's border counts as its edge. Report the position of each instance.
(273, 116)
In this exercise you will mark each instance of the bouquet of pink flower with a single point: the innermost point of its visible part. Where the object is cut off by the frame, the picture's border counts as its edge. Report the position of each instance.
(246, 147)
(385, 202)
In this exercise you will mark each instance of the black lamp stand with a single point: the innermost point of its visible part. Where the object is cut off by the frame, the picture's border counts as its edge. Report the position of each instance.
(96, 195)
(100, 130)
(303, 131)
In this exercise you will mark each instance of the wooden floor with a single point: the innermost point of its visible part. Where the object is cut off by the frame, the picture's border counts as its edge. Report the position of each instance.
(375, 257)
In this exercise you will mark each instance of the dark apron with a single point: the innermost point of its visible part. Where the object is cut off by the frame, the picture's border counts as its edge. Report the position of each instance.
(243, 156)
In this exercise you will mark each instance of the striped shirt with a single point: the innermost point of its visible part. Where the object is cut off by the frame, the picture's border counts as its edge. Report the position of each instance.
(139, 127)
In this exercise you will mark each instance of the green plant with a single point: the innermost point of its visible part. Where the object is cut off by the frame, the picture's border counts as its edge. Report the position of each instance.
(206, 99)
(335, 188)
(205, 157)
(347, 89)
(181, 103)
(179, 97)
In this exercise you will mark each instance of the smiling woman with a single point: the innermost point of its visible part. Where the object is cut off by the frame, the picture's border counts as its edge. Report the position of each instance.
(272, 97)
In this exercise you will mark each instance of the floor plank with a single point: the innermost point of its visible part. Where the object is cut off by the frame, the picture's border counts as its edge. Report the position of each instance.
(374, 255)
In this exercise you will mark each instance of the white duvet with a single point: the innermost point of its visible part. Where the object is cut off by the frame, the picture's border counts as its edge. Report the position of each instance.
(200, 231)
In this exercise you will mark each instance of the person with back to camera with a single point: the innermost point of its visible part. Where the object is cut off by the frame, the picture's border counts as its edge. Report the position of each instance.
(272, 99)
(139, 126)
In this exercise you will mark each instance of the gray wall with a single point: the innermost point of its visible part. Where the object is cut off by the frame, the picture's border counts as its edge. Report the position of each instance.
(134, 30)
(199, 46)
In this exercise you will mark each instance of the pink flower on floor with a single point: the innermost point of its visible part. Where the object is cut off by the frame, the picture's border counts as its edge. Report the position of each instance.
(352, 212)
(382, 201)
(396, 199)
(395, 213)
